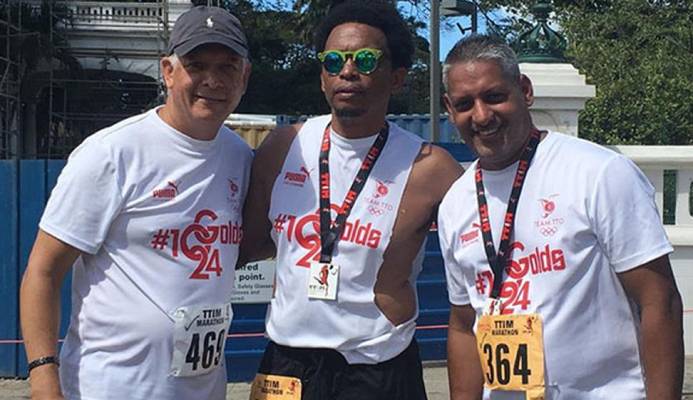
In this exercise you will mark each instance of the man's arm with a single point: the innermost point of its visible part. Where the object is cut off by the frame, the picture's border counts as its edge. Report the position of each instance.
(257, 243)
(432, 174)
(49, 261)
(441, 172)
(464, 367)
(654, 290)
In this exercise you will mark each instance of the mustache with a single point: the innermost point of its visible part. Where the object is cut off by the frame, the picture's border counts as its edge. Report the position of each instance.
(349, 89)
(492, 126)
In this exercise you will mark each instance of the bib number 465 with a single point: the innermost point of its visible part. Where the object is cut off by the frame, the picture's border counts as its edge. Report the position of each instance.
(207, 351)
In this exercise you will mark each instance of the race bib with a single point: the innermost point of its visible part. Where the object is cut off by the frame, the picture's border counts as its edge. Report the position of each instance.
(199, 339)
(275, 387)
(322, 281)
(512, 353)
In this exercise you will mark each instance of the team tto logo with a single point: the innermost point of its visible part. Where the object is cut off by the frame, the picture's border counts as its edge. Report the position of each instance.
(297, 178)
(377, 205)
(233, 188)
(548, 224)
(381, 189)
(167, 192)
(548, 206)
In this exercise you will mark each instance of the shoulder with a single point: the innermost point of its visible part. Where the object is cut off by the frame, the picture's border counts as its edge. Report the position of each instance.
(434, 171)
(235, 143)
(122, 133)
(431, 154)
(102, 146)
(270, 155)
(278, 141)
(115, 142)
(460, 191)
(587, 161)
(434, 161)
(579, 150)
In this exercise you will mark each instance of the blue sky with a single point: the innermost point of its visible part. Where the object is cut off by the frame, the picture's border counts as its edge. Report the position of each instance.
(450, 34)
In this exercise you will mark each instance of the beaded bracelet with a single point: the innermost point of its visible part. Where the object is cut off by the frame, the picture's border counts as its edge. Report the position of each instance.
(43, 361)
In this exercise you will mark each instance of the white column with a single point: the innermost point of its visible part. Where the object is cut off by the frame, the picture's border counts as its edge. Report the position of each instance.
(175, 9)
(560, 93)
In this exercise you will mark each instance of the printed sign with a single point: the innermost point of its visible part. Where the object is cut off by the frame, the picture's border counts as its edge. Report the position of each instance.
(254, 283)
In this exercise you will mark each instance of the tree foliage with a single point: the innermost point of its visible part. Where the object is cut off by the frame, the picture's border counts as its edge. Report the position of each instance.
(284, 78)
(639, 54)
(286, 74)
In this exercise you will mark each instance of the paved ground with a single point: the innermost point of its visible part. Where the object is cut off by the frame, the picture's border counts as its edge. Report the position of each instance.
(436, 383)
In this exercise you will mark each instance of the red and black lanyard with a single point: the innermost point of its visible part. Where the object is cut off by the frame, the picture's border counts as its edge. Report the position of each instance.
(498, 261)
(329, 231)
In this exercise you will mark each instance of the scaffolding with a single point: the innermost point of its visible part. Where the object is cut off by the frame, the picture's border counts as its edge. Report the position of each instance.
(97, 63)
(10, 30)
(85, 93)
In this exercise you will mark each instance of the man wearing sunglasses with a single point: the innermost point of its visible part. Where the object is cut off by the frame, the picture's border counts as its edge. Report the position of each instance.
(345, 202)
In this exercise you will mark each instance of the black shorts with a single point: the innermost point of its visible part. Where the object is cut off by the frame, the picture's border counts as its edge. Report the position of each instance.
(326, 375)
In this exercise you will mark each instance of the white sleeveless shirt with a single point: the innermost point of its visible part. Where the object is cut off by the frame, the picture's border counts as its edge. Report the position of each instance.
(352, 324)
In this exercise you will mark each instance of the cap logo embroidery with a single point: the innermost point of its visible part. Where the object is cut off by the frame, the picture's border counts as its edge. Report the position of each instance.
(210, 23)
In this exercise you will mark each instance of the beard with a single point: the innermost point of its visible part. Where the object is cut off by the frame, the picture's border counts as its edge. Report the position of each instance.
(349, 112)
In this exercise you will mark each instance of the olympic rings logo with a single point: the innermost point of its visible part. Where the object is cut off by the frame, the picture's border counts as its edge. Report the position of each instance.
(548, 230)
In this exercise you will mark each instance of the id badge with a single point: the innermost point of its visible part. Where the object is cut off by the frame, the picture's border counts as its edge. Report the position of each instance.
(275, 387)
(511, 350)
(322, 281)
(492, 306)
(199, 338)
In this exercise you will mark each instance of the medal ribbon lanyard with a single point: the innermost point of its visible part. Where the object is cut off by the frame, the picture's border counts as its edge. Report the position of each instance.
(497, 261)
(330, 232)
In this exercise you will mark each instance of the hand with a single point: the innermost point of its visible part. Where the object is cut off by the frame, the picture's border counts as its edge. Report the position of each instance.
(45, 383)
(47, 397)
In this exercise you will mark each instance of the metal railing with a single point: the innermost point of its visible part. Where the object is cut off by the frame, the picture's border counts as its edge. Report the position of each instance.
(115, 15)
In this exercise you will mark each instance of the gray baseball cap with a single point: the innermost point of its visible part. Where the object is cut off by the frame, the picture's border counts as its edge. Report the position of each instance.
(204, 25)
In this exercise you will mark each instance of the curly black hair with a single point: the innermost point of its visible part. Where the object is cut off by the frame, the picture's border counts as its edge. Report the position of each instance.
(380, 14)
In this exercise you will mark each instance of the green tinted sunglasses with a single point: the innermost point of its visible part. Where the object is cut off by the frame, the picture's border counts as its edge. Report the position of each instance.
(365, 60)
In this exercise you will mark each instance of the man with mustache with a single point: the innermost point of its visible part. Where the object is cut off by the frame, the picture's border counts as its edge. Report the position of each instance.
(351, 338)
(149, 213)
(564, 238)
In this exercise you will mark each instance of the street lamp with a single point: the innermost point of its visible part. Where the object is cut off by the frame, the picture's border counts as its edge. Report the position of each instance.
(443, 8)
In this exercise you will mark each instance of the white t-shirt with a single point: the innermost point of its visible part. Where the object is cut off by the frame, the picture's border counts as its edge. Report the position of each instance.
(157, 215)
(352, 324)
(584, 215)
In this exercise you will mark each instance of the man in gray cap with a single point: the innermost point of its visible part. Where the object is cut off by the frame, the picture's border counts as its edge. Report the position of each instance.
(149, 213)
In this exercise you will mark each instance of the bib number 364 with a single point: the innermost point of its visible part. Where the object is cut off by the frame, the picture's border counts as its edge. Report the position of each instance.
(512, 353)
(199, 339)
(501, 368)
